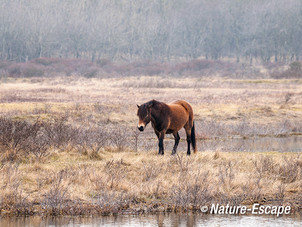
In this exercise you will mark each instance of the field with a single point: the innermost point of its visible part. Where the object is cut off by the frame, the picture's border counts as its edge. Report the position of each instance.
(69, 145)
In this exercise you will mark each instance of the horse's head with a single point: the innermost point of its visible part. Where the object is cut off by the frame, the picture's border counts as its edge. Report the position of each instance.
(144, 115)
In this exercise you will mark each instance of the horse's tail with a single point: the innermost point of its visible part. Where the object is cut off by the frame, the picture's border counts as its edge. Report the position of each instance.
(193, 139)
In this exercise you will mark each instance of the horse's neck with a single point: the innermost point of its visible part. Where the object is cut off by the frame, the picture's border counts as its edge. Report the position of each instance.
(159, 113)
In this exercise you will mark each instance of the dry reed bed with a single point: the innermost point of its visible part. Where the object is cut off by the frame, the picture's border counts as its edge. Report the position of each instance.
(119, 182)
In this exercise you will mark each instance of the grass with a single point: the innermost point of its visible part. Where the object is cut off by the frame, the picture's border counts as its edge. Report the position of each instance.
(93, 161)
(118, 182)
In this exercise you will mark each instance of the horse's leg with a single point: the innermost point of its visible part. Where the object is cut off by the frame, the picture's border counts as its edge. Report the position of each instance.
(161, 137)
(189, 142)
(188, 132)
(177, 138)
(159, 145)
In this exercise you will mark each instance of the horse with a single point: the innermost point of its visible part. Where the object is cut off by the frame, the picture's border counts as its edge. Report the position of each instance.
(166, 119)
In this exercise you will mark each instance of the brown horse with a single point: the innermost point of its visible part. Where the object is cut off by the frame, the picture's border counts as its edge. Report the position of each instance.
(166, 119)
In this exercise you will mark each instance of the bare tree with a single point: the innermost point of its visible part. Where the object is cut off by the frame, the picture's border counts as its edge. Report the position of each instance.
(157, 29)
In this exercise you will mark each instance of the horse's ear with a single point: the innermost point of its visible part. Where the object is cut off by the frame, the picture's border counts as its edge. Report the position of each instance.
(137, 106)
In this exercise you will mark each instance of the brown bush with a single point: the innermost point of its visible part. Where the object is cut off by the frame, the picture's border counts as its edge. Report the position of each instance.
(90, 141)
(294, 71)
(290, 170)
(21, 138)
(46, 61)
(52, 66)
(119, 138)
(55, 199)
(60, 132)
(31, 70)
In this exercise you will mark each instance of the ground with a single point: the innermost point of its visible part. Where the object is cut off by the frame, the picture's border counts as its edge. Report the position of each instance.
(95, 161)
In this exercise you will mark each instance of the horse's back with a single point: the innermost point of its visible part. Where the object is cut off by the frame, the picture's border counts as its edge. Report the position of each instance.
(185, 105)
(181, 107)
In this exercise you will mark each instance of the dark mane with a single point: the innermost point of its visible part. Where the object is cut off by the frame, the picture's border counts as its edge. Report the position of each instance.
(154, 104)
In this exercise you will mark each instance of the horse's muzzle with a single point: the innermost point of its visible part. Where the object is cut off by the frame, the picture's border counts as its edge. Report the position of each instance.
(141, 128)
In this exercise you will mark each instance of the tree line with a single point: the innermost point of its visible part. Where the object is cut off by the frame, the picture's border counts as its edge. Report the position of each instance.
(161, 30)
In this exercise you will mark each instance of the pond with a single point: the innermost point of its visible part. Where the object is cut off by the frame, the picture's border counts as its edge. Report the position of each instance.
(172, 219)
(252, 144)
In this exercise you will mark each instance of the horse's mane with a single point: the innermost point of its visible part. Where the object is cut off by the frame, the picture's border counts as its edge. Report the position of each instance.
(153, 103)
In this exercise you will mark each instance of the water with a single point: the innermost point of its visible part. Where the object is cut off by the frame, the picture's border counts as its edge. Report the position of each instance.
(154, 220)
(254, 144)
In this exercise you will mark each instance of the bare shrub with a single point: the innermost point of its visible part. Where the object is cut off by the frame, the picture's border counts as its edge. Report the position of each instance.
(119, 138)
(151, 83)
(289, 170)
(25, 70)
(264, 165)
(46, 61)
(112, 202)
(37, 144)
(281, 193)
(12, 133)
(115, 171)
(226, 175)
(212, 129)
(151, 171)
(60, 132)
(181, 161)
(11, 197)
(294, 71)
(103, 61)
(14, 69)
(90, 141)
(23, 138)
(194, 65)
(98, 181)
(57, 195)
(191, 189)
(136, 134)
(31, 70)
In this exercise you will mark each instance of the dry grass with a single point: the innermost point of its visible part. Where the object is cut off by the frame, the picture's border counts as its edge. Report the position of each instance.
(93, 161)
(70, 183)
(264, 107)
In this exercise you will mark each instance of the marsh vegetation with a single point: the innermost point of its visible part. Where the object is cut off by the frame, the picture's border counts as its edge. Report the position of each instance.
(72, 72)
(69, 145)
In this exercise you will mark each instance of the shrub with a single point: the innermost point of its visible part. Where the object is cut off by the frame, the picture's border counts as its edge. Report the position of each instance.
(46, 61)
(296, 66)
(21, 138)
(60, 132)
(14, 70)
(31, 70)
(294, 71)
(119, 138)
(90, 72)
(103, 61)
(58, 194)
